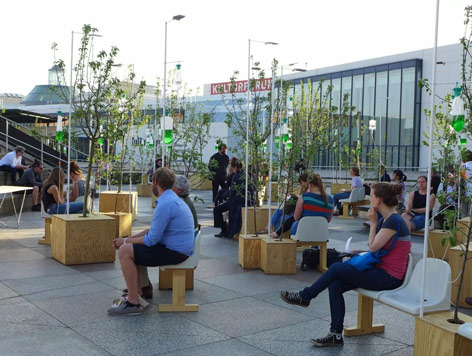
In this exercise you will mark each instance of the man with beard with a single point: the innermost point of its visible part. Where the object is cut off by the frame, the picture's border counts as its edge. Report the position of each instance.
(169, 241)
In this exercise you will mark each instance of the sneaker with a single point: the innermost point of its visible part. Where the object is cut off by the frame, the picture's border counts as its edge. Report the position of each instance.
(366, 224)
(332, 339)
(123, 307)
(294, 298)
(36, 208)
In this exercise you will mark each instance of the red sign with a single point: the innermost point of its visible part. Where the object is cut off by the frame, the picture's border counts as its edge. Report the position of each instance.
(239, 87)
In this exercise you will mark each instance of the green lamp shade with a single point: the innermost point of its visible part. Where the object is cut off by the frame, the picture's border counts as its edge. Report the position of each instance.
(59, 136)
(457, 111)
(100, 141)
(168, 137)
(289, 145)
(277, 146)
(277, 139)
(462, 141)
(285, 138)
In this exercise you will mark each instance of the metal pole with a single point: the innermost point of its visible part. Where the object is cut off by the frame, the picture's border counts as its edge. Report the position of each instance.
(280, 134)
(430, 159)
(271, 148)
(163, 128)
(69, 121)
(42, 144)
(6, 138)
(130, 147)
(247, 134)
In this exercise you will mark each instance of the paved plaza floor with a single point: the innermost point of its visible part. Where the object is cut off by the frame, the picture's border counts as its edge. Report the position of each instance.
(47, 308)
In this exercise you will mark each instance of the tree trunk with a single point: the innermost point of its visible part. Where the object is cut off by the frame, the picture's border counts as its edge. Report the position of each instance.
(89, 176)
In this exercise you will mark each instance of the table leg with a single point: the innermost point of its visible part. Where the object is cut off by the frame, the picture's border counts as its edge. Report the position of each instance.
(21, 210)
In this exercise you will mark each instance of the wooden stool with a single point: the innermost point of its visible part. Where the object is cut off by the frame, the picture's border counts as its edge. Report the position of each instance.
(278, 256)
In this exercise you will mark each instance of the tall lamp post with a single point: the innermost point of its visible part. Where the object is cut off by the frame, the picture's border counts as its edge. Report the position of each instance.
(247, 123)
(176, 18)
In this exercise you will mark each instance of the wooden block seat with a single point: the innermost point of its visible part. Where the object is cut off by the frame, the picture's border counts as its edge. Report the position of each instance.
(46, 240)
(362, 211)
(456, 259)
(406, 298)
(278, 256)
(178, 281)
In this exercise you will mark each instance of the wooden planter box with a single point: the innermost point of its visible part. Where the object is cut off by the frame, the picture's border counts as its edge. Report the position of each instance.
(78, 240)
(107, 202)
(462, 229)
(249, 254)
(278, 257)
(436, 248)
(455, 261)
(144, 190)
(124, 222)
(196, 183)
(434, 335)
(260, 214)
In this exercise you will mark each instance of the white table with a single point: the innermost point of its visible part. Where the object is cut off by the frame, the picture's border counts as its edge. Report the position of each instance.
(10, 189)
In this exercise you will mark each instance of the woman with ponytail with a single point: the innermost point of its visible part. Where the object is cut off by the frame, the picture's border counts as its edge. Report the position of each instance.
(314, 202)
(390, 231)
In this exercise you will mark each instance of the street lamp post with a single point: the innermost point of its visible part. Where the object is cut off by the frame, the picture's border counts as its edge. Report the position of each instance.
(247, 124)
(176, 18)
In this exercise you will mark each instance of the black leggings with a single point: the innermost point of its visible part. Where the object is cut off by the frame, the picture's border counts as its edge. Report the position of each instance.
(285, 226)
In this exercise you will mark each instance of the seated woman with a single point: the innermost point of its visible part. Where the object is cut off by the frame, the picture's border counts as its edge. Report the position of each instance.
(278, 214)
(53, 195)
(399, 178)
(342, 277)
(234, 203)
(356, 183)
(414, 214)
(315, 202)
(78, 188)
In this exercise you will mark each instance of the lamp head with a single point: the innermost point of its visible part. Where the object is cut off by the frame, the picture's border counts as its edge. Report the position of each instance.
(178, 17)
(271, 43)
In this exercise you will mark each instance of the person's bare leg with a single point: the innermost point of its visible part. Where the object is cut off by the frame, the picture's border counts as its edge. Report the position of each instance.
(130, 272)
(35, 195)
(143, 276)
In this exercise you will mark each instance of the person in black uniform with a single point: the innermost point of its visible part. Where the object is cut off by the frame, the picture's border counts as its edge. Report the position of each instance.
(217, 166)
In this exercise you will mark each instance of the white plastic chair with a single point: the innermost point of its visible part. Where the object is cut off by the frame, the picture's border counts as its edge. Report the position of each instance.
(465, 330)
(313, 231)
(178, 281)
(354, 197)
(376, 294)
(437, 289)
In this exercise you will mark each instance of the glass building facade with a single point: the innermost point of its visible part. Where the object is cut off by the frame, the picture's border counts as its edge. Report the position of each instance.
(387, 93)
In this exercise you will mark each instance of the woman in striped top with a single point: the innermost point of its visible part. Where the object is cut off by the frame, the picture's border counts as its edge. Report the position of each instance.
(315, 202)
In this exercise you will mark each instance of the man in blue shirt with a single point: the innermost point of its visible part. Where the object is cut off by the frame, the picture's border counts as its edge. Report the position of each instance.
(169, 241)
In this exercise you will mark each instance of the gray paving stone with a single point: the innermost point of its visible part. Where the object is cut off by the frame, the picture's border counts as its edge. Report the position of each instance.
(6, 292)
(25, 313)
(9, 244)
(319, 307)
(221, 251)
(34, 268)
(295, 340)
(254, 282)
(407, 351)
(214, 267)
(30, 242)
(398, 326)
(83, 309)
(43, 250)
(148, 334)
(25, 286)
(13, 300)
(231, 347)
(76, 290)
(244, 316)
(27, 340)
(101, 271)
(19, 254)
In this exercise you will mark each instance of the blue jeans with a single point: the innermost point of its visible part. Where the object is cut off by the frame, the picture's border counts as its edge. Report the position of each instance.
(74, 208)
(340, 278)
(276, 219)
(338, 197)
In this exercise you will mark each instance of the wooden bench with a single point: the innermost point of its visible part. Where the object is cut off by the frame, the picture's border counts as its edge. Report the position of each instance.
(179, 272)
(355, 200)
(46, 240)
(406, 298)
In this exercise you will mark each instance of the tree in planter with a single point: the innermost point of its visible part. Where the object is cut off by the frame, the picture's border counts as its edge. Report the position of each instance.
(125, 114)
(92, 88)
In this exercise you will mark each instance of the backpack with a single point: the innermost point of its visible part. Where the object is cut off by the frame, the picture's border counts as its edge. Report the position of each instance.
(311, 257)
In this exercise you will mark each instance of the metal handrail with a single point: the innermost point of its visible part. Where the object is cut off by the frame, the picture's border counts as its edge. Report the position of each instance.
(27, 128)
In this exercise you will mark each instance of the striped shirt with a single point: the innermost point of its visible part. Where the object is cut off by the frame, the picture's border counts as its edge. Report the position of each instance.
(314, 205)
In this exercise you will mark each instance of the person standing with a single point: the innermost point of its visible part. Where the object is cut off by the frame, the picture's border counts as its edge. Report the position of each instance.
(11, 162)
(32, 178)
(218, 165)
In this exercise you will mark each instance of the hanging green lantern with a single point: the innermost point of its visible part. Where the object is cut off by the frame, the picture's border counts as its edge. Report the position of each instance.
(59, 132)
(168, 124)
(149, 139)
(463, 140)
(277, 136)
(358, 147)
(100, 138)
(457, 111)
(289, 145)
(284, 131)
